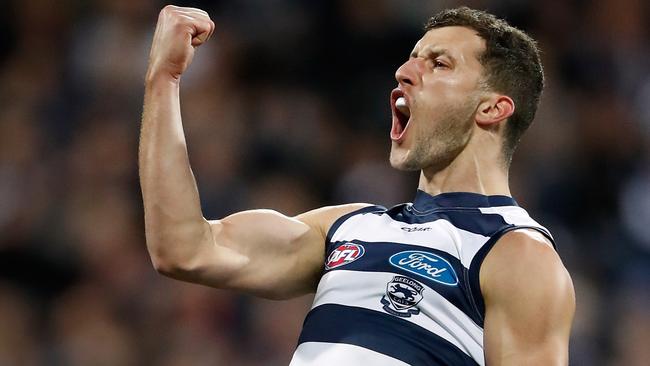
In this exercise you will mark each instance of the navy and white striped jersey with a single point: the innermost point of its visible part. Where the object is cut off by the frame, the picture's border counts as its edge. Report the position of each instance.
(401, 285)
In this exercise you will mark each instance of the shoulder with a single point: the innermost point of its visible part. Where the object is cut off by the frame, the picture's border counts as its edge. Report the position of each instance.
(529, 302)
(324, 218)
(523, 262)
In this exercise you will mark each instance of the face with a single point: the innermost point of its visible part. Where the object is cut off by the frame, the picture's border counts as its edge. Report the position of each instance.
(440, 87)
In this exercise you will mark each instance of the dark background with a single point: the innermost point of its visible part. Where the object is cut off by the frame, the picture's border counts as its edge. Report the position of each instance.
(287, 108)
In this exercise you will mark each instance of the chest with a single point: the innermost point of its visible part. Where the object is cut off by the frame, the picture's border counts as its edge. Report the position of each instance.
(395, 267)
(438, 235)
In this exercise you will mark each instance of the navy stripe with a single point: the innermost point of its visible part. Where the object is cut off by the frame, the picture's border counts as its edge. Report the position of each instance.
(424, 201)
(335, 226)
(381, 333)
(468, 219)
(376, 259)
(477, 261)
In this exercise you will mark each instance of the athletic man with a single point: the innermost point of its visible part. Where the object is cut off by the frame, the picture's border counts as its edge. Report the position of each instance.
(461, 276)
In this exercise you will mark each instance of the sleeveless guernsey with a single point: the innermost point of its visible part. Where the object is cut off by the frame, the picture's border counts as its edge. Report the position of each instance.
(401, 285)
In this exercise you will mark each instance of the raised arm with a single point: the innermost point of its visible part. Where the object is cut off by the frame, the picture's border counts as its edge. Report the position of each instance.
(529, 302)
(260, 252)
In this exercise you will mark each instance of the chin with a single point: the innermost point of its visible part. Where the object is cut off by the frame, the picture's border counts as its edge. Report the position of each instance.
(400, 161)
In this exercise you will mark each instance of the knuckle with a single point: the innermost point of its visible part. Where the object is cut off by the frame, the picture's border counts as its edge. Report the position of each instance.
(178, 20)
(167, 9)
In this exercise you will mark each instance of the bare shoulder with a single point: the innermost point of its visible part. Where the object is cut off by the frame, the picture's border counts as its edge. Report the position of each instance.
(529, 299)
(529, 302)
(323, 218)
(523, 259)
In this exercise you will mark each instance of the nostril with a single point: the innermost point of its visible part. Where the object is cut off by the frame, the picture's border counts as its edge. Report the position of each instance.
(402, 77)
(410, 71)
(405, 80)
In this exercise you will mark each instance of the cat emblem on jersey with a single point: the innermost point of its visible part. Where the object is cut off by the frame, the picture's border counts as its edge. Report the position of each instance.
(344, 254)
(402, 296)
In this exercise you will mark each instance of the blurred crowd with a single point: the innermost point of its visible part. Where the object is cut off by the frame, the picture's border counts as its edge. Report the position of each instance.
(287, 108)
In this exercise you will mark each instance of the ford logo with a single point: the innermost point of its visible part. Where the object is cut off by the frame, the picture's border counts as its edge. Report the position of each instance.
(427, 265)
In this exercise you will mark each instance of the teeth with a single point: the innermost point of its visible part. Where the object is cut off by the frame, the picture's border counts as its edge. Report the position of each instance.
(400, 104)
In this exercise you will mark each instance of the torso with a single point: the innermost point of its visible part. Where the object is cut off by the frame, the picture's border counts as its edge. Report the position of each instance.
(400, 286)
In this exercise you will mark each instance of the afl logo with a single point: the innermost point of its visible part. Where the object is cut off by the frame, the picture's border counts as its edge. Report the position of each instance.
(344, 254)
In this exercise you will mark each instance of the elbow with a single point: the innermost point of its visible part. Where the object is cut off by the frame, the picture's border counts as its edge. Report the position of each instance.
(178, 270)
(165, 266)
(193, 271)
(173, 264)
(176, 253)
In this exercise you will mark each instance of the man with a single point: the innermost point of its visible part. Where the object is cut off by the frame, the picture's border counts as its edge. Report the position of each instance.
(462, 276)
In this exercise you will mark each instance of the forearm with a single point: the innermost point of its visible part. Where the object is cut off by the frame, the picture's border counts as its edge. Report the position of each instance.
(261, 252)
(174, 225)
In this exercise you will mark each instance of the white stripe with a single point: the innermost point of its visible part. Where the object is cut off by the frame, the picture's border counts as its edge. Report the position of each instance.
(438, 315)
(339, 354)
(443, 235)
(514, 215)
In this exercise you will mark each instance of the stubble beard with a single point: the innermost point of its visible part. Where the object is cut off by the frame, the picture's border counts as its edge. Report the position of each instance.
(439, 146)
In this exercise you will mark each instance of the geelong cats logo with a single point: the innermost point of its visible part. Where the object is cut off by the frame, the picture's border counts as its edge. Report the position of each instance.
(402, 295)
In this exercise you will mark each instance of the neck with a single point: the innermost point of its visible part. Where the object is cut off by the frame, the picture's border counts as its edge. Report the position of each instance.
(471, 171)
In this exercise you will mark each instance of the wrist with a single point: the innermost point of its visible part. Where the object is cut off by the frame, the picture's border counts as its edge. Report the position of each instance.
(159, 78)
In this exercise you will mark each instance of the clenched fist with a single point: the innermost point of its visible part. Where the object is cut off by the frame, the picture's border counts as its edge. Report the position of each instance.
(178, 32)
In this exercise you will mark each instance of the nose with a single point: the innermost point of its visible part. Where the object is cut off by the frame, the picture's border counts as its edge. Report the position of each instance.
(410, 72)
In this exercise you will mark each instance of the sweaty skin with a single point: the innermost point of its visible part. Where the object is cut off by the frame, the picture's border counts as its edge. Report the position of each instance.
(453, 137)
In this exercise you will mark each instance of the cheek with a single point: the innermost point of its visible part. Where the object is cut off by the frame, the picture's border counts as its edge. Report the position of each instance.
(454, 85)
(436, 104)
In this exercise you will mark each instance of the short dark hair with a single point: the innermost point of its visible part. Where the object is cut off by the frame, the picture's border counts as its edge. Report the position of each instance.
(512, 63)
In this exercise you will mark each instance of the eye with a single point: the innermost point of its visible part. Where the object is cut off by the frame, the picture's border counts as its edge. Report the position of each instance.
(439, 64)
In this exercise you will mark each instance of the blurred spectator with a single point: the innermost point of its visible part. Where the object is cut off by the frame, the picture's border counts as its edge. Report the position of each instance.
(287, 108)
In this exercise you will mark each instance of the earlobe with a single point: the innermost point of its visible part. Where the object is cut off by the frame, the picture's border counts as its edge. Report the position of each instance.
(495, 110)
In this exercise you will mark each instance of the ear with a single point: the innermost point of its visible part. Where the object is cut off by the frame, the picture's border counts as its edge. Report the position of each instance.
(494, 110)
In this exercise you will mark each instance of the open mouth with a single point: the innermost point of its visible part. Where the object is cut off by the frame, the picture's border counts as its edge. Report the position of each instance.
(401, 114)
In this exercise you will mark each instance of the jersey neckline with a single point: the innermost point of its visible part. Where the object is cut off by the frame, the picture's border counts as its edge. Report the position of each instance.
(424, 201)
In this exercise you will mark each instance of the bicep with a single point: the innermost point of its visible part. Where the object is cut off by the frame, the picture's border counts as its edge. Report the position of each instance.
(529, 303)
(254, 251)
(266, 253)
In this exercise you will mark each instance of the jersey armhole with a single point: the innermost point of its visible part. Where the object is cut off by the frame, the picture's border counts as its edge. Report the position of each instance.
(477, 261)
(338, 222)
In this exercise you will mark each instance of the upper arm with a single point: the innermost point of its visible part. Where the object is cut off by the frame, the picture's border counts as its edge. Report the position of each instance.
(529, 301)
(266, 253)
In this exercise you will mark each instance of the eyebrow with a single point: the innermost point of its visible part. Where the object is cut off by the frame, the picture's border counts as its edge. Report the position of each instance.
(434, 51)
